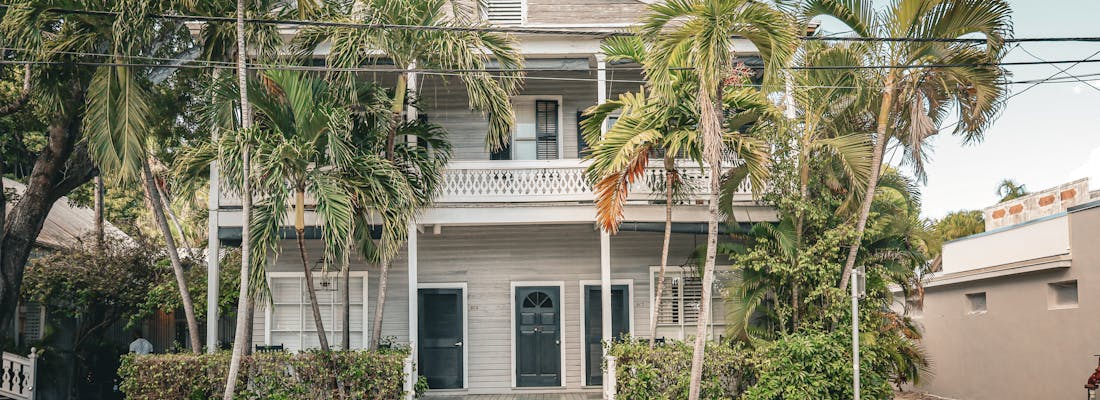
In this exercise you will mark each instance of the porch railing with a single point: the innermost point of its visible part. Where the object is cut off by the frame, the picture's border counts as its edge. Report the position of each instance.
(17, 376)
(552, 181)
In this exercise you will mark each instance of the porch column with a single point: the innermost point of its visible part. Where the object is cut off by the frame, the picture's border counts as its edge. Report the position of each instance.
(413, 307)
(605, 238)
(212, 260)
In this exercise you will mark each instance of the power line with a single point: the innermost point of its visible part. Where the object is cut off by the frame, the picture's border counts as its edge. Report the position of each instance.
(601, 33)
(218, 64)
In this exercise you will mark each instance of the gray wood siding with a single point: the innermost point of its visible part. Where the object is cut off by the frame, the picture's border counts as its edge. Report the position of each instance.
(489, 259)
(571, 12)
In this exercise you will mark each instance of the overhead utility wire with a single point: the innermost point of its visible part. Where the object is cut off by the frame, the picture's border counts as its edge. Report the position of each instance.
(1053, 80)
(299, 22)
(377, 69)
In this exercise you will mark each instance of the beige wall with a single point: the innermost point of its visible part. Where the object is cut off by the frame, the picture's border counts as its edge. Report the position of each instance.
(1019, 348)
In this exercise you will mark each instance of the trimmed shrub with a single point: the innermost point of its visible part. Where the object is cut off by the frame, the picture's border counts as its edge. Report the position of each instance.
(814, 365)
(279, 376)
(664, 371)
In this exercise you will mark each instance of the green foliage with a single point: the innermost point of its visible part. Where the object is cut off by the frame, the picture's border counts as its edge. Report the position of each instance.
(280, 376)
(660, 373)
(814, 365)
(959, 224)
(164, 295)
(109, 284)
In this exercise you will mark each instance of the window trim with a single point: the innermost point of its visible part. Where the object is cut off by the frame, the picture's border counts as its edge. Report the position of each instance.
(525, 98)
(268, 308)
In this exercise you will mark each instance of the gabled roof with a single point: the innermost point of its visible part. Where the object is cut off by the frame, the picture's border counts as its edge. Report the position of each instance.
(67, 225)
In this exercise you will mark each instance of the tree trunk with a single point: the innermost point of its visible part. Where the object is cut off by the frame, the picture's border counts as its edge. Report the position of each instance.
(61, 166)
(380, 304)
(99, 236)
(154, 197)
(709, 110)
(670, 178)
(250, 326)
(246, 211)
(176, 222)
(322, 337)
(872, 179)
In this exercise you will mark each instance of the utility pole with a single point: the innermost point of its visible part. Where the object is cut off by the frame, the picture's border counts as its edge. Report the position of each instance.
(858, 285)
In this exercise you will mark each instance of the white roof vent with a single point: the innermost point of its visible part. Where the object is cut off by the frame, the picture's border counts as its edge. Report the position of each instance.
(505, 12)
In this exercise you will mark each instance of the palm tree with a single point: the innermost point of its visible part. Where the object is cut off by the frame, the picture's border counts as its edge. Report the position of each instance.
(1009, 189)
(116, 119)
(457, 49)
(701, 33)
(944, 77)
(244, 301)
(648, 128)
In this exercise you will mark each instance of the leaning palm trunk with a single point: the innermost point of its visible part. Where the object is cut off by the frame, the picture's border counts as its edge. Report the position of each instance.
(670, 178)
(173, 255)
(872, 178)
(244, 300)
(709, 110)
(300, 230)
(99, 232)
(176, 222)
(376, 327)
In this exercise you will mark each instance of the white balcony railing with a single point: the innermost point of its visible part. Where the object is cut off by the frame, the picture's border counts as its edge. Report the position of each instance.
(549, 181)
(543, 181)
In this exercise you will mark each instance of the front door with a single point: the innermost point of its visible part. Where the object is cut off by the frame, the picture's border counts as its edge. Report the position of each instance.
(593, 327)
(440, 337)
(538, 336)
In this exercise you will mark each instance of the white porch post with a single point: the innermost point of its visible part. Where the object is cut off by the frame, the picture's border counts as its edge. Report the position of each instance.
(605, 242)
(213, 272)
(413, 307)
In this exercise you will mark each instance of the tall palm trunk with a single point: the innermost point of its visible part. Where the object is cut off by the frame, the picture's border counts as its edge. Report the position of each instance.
(153, 195)
(99, 235)
(872, 179)
(176, 223)
(244, 300)
(397, 107)
(300, 230)
(709, 110)
(670, 179)
(380, 303)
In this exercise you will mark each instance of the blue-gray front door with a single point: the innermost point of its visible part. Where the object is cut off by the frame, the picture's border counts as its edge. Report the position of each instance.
(441, 339)
(538, 336)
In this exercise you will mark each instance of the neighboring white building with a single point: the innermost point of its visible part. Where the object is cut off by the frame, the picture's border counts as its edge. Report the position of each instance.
(499, 289)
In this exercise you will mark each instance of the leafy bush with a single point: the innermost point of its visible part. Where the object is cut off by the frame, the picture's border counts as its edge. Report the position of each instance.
(281, 376)
(818, 365)
(662, 372)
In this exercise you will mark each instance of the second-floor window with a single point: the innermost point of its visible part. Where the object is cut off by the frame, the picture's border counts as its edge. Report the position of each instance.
(537, 133)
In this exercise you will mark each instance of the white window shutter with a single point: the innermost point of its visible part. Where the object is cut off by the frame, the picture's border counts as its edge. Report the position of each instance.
(505, 12)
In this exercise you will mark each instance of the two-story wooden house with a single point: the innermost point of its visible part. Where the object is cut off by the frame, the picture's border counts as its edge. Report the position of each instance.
(500, 287)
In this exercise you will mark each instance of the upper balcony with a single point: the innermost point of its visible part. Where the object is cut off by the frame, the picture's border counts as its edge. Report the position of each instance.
(550, 181)
(545, 181)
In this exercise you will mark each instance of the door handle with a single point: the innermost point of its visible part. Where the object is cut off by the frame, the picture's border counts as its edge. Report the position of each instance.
(458, 344)
(557, 341)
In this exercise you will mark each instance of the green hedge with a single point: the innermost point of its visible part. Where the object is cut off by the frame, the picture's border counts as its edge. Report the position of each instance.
(307, 375)
(664, 372)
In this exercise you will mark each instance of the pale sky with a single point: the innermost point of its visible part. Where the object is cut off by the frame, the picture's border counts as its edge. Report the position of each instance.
(1046, 136)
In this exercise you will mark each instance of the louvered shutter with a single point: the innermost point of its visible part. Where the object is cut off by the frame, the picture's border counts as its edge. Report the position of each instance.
(546, 129)
(505, 12)
(680, 299)
(31, 319)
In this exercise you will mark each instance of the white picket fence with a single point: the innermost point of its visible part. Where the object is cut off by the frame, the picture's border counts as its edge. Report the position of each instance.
(17, 376)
